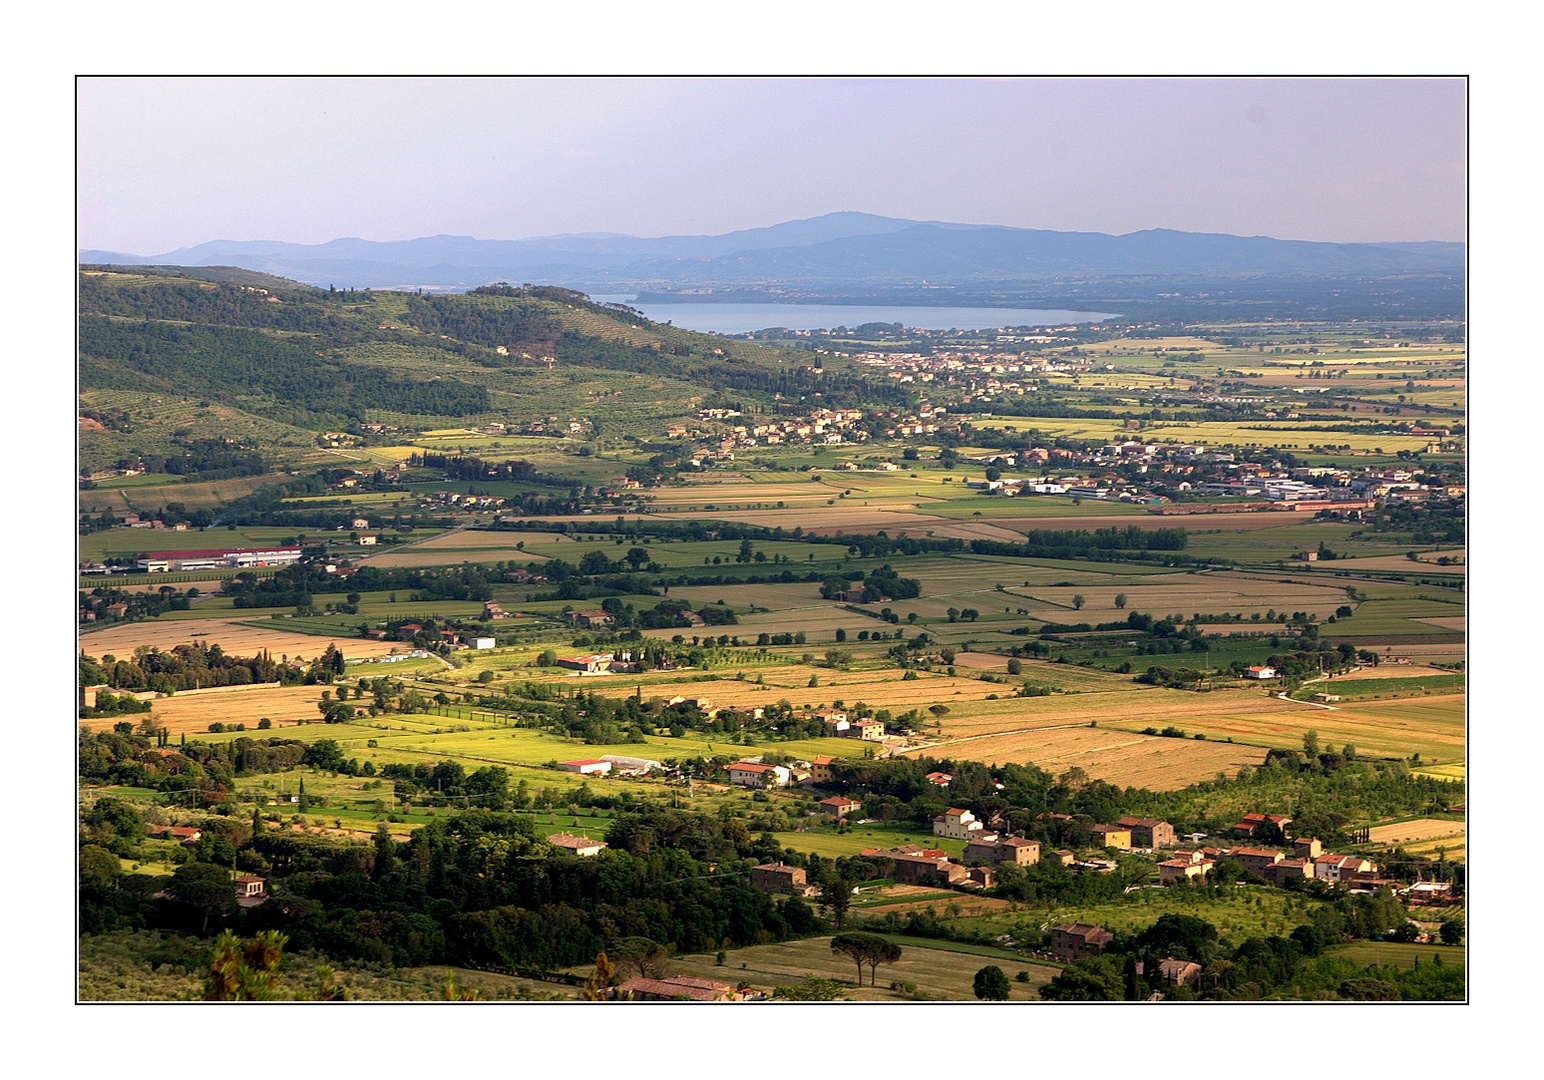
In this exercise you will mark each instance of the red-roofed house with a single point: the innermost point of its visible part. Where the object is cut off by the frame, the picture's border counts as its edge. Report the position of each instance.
(1184, 869)
(1252, 823)
(1254, 860)
(939, 779)
(821, 771)
(677, 988)
(839, 806)
(753, 774)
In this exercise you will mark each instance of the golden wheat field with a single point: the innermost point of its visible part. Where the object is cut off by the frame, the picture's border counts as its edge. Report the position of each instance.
(193, 711)
(1430, 726)
(1119, 757)
(1415, 831)
(229, 634)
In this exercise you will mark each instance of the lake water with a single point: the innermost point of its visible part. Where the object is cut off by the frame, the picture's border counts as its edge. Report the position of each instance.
(743, 318)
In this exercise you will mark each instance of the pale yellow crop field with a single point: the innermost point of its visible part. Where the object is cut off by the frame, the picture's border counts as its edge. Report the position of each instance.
(1158, 764)
(1415, 831)
(230, 634)
(192, 712)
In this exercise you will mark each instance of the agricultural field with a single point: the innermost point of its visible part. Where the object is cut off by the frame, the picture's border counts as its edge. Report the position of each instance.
(1431, 727)
(1417, 831)
(940, 974)
(237, 636)
(1157, 764)
(984, 665)
(1400, 955)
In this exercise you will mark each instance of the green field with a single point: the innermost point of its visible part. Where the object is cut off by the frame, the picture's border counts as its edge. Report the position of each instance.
(941, 974)
(1396, 954)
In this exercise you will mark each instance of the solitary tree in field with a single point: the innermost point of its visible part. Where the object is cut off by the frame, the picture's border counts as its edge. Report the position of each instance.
(1120, 600)
(990, 984)
(1078, 602)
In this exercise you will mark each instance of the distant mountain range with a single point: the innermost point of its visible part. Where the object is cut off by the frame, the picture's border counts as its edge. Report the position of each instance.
(839, 251)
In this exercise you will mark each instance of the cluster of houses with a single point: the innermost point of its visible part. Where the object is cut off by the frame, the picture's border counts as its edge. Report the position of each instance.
(824, 426)
(980, 374)
(838, 726)
(463, 502)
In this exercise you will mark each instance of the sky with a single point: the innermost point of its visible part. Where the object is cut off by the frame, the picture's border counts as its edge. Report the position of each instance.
(169, 163)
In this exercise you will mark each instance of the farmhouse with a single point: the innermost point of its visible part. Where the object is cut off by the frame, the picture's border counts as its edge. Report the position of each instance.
(1180, 972)
(1341, 867)
(1148, 832)
(586, 767)
(576, 845)
(1111, 836)
(677, 988)
(1075, 941)
(838, 806)
(916, 867)
(782, 878)
(1252, 823)
(870, 730)
(960, 825)
(181, 833)
(250, 891)
(590, 663)
(753, 774)
(1184, 868)
(1014, 849)
(820, 770)
(590, 619)
(939, 779)
(1260, 671)
(483, 642)
(492, 610)
(1278, 873)
(1254, 860)
(1307, 848)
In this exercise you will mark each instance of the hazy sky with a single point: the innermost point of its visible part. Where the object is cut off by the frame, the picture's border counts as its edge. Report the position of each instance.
(168, 163)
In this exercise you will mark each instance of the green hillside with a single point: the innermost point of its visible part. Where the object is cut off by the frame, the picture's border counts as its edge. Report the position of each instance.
(276, 360)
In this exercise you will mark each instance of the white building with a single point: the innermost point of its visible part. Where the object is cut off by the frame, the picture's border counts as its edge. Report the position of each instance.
(586, 767)
(960, 825)
(750, 774)
(483, 643)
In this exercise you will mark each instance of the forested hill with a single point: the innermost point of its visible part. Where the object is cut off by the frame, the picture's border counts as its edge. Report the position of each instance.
(323, 359)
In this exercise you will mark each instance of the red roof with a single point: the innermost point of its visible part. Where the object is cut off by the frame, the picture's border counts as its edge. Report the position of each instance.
(586, 761)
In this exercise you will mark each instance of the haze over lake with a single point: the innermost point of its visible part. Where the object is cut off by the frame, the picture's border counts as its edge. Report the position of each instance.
(743, 318)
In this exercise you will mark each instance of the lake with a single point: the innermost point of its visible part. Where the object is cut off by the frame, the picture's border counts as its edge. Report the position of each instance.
(743, 318)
